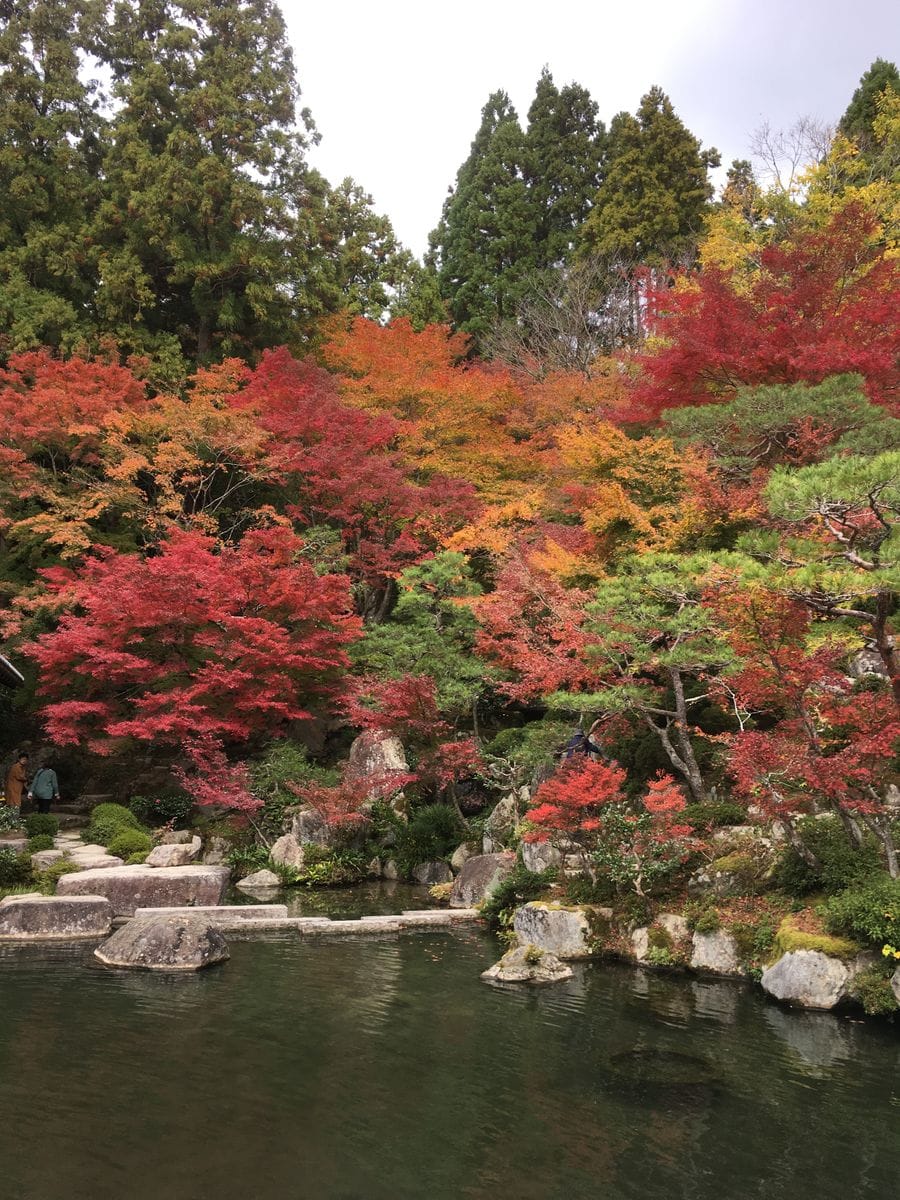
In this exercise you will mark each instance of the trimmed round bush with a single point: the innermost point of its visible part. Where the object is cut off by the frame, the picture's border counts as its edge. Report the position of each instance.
(40, 841)
(107, 821)
(163, 808)
(41, 823)
(14, 868)
(130, 842)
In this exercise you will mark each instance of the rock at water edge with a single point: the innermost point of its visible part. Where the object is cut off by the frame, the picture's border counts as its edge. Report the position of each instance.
(808, 978)
(527, 964)
(717, 953)
(259, 881)
(431, 873)
(128, 888)
(565, 932)
(177, 943)
(39, 916)
(479, 877)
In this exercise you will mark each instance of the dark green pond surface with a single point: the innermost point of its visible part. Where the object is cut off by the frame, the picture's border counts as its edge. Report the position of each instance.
(385, 1070)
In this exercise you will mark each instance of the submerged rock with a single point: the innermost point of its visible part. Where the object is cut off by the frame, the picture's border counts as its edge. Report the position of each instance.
(480, 877)
(37, 916)
(810, 979)
(174, 943)
(527, 964)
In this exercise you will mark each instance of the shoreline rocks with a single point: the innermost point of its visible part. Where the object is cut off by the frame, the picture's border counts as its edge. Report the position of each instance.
(38, 917)
(567, 932)
(811, 979)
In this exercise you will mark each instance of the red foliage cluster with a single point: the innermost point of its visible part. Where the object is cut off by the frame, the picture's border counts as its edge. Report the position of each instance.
(571, 801)
(194, 642)
(824, 304)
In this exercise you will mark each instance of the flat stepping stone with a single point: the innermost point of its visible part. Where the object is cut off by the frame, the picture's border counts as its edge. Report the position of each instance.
(36, 917)
(226, 916)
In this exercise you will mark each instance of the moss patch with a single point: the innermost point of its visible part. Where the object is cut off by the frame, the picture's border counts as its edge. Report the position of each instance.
(738, 863)
(790, 937)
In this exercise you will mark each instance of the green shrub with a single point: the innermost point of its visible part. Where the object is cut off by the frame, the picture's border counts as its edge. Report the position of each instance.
(713, 813)
(108, 820)
(433, 832)
(10, 819)
(870, 913)
(702, 917)
(135, 860)
(46, 879)
(131, 842)
(40, 841)
(14, 868)
(660, 956)
(842, 865)
(41, 823)
(284, 763)
(324, 867)
(518, 888)
(170, 806)
(248, 858)
(872, 988)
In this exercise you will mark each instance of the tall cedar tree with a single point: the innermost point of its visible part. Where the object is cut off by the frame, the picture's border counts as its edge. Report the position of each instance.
(563, 152)
(48, 173)
(655, 189)
(203, 153)
(858, 121)
(484, 245)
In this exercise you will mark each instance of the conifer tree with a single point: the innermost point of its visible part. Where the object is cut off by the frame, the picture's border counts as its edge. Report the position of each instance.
(484, 245)
(564, 147)
(203, 160)
(858, 121)
(655, 190)
(49, 131)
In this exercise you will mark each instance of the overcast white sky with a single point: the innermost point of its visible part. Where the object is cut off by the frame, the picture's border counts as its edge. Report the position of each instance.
(396, 88)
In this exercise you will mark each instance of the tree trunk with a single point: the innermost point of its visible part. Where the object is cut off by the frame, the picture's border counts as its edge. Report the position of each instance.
(885, 642)
(881, 826)
(798, 844)
(691, 774)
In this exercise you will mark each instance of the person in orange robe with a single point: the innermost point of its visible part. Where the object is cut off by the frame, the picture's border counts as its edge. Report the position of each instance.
(16, 781)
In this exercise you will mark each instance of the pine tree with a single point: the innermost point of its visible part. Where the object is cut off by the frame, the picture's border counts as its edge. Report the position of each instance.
(564, 148)
(484, 246)
(48, 161)
(650, 206)
(202, 166)
(857, 122)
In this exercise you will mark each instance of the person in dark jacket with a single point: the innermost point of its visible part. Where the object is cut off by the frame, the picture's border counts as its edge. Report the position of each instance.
(587, 744)
(44, 788)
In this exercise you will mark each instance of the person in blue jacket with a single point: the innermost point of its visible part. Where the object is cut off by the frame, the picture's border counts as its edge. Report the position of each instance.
(44, 788)
(587, 744)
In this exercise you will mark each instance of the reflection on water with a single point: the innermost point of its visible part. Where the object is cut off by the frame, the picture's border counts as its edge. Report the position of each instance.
(385, 1070)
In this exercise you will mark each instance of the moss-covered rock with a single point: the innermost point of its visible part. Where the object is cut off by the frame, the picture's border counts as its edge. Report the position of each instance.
(789, 937)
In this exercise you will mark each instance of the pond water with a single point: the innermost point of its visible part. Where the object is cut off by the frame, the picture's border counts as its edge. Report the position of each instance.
(385, 1070)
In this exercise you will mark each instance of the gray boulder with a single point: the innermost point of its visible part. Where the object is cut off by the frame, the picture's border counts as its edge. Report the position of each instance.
(500, 825)
(431, 873)
(716, 953)
(565, 932)
(128, 888)
(809, 979)
(288, 852)
(479, 877)
(460, 856)
(173, 854)
(176, 837)
(173, 943)
(540, 856)
(42, 859)
(259, 881)
(390, 870)
(378, 760)
(675, 926)
(309, 827)
(895, 985)
(527, 964)
(37, 916)
(217, 851)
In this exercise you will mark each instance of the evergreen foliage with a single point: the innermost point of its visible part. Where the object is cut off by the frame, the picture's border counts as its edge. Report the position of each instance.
(858, 122)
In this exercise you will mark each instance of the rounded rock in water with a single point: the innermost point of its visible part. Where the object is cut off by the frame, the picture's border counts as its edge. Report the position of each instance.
(175, 943)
